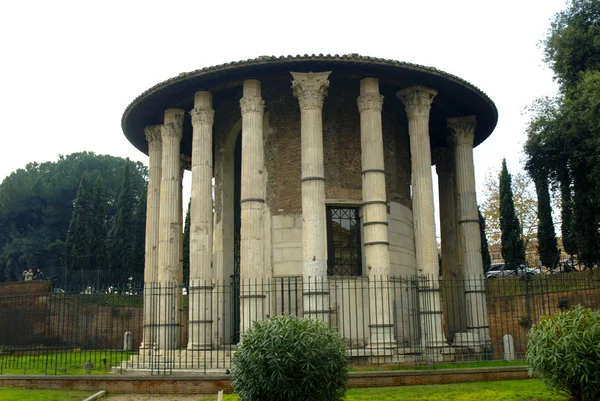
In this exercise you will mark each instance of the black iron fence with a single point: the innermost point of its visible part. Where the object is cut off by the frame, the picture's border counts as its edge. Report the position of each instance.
(165, 328)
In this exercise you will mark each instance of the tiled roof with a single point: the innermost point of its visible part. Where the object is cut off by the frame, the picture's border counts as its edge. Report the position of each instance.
(264, 62)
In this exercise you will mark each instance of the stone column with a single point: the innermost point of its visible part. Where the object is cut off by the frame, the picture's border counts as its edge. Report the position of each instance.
(374, 209)
(153, 136)
(252, 276)
(310, 89)
(201, 219)
(463, 132)
(170, 227)
(417, 102)
(454, 293)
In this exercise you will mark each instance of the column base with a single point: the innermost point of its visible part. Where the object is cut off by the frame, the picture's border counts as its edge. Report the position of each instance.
(381, 341)
(475, 340)
(199, 347)
(146, 345)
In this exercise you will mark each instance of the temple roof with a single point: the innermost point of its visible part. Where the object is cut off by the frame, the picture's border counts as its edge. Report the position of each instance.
(147, 108)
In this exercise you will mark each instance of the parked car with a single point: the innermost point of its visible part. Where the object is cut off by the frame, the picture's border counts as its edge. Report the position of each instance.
(501, 270)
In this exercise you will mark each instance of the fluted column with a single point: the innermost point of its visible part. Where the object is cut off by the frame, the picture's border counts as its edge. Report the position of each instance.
(153, 136)
(170, 227)
(201, 219)
(310, 89)
(463, 132)
(454, 293)
(374, 208)
(184, 163)
(417, 103)
(252, 276)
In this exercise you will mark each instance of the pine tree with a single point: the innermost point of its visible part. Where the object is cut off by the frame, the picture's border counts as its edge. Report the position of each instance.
(485, 251)
(513, 250)
(547, 247)
(139, 237)
(121, 248)
(98, 231)
(78, 237)
(186, 245)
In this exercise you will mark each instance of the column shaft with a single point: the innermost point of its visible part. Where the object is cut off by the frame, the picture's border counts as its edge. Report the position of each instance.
(310, 89)
(201, 222)
(170, 227)
(463, 130)
(454, 293)
(375, 224)
(153, 136)
(252, 276)
(417, 102)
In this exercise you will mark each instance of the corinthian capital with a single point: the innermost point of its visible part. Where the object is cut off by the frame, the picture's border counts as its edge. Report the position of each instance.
(173, 125)
(462, 129)
(153, 137)
(202, 115)
(310, 88)
(417, 100)
(370, 101)
(252, 104)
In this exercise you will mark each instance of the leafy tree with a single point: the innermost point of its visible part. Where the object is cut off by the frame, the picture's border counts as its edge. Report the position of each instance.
(36, 206)
(525, 204)
(98, 230)
(563, 135)
(513, 250)
(571, 44)
(78, 238)
(485, 251)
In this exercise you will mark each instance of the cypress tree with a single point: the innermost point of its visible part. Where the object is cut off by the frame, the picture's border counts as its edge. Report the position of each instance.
(485, 251)
(567, 224)
(585, 207)
(121, 248)
(547, 249)
(186, 245)
(98, 230)
(78, 237)
(513, 250)
(139, 237)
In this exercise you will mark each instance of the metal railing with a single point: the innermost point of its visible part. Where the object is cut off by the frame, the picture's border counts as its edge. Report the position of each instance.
(165, 328)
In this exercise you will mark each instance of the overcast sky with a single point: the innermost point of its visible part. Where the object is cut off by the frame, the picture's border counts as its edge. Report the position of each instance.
(69, 69)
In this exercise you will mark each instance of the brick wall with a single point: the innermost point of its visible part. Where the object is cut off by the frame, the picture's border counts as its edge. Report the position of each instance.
(212, 384)
(509, 315)
(23, 307)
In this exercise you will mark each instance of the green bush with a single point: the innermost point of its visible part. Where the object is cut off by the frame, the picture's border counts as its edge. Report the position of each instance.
(564, 351)
(289, 359)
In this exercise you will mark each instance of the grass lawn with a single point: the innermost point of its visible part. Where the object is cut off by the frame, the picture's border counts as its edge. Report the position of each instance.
(509, 390)
(66, 363)
(23, 394)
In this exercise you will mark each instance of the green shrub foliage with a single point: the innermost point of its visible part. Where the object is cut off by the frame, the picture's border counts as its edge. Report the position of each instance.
(564, 351)
(289, 359)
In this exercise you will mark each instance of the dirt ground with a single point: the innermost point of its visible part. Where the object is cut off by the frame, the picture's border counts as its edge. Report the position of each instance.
(157, 397)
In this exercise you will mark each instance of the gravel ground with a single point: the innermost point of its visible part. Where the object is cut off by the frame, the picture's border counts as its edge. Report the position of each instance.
(157, 397)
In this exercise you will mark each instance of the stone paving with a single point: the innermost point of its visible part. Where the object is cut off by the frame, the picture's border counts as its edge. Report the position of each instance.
(158, 397)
